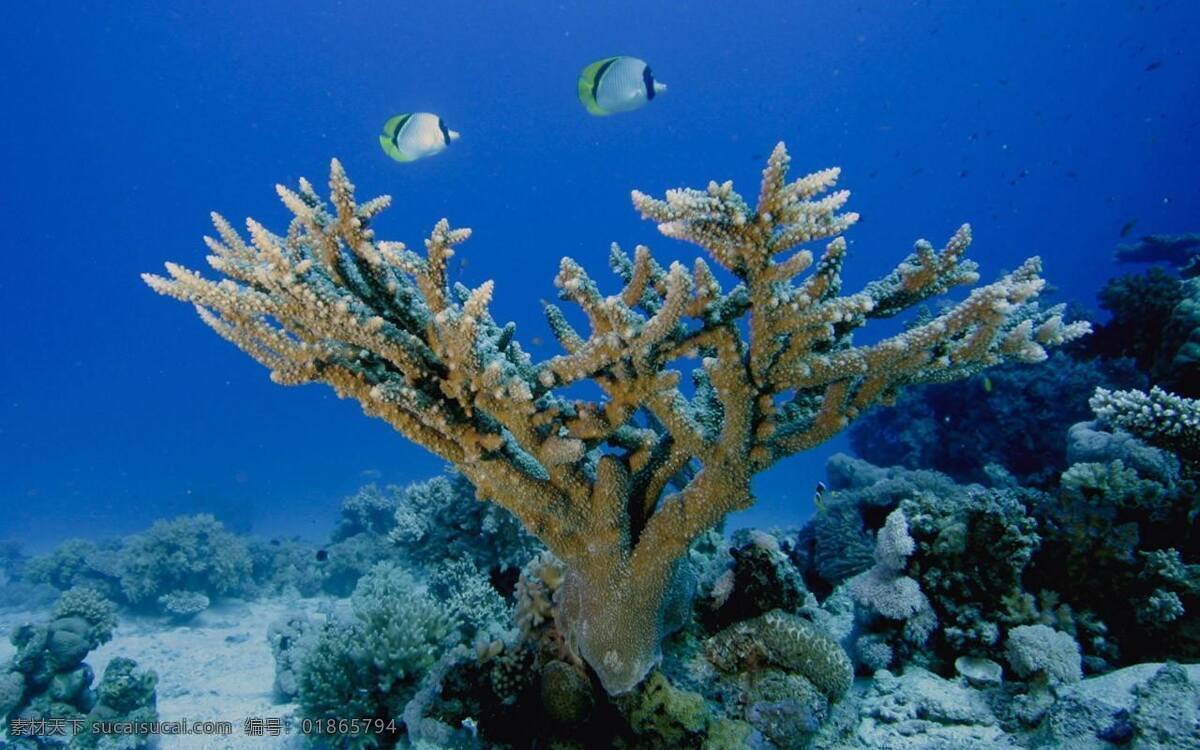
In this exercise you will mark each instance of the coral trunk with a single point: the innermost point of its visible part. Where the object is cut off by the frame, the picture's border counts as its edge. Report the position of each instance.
(613, 617)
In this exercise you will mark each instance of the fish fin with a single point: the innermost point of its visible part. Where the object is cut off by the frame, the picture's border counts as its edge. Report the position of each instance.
(394, 124)
(588, 80)
(390, 149)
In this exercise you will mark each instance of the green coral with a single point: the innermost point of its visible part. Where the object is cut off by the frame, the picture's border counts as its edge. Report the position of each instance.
(338, 678)
(369, 666)
(290, 637)
(440, 519)
(189, 553)
(1175, 579)
(47, 678)
(404, 628)
(663, 716)
(370, 510)
(1113, 483)
(786, 708)
(567, 697)
(1184, 327)
(972, 548)
(470, 599)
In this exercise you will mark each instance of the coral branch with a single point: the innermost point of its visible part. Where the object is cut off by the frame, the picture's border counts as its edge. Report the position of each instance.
(619, 487)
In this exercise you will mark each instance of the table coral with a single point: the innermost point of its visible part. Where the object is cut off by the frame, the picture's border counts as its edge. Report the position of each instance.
(773, 366)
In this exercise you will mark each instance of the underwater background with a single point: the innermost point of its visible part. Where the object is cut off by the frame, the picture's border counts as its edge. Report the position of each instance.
(1048, 126)
(1001, 558)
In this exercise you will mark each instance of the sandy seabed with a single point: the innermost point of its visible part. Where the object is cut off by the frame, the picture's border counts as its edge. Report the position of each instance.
(217, 668)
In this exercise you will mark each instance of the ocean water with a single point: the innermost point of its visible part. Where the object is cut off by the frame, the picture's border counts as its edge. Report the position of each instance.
(1060, 129)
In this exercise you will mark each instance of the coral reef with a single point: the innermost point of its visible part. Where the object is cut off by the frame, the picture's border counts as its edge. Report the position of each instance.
(470, 600)
(285, 566)
(186, 556)
(1042, 652)
(1179, 250)
(592, 480)
(440, 520)
(47, 686)
(424, 525)
(1156, 321)
(1161, 419)
(1105, 556)
(78, 562)
(1025, 409)
(126, 695)
(291, 638)
(368, 665)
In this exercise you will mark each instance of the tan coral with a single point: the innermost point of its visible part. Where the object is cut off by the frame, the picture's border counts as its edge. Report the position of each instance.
(616, 487)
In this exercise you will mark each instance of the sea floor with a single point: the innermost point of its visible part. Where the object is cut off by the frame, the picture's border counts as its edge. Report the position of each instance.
(218, 668)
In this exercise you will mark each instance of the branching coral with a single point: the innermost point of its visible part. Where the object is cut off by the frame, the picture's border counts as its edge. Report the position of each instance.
(1162, 419)
(775, 369)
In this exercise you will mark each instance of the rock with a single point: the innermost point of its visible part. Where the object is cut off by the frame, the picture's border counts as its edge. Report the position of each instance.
(12, 691)
(66, 686)
(68, 643)
(1166, 712)
(785, 707)
(1088, 443)
(919, 710)
(979, 672)
(1096, 709)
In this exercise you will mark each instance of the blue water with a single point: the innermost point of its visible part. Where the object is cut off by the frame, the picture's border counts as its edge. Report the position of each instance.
(1048, 126)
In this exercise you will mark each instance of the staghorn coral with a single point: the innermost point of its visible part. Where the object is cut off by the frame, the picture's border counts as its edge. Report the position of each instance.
(776, 371)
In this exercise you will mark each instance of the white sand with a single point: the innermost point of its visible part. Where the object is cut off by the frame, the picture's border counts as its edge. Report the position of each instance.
(217, 668)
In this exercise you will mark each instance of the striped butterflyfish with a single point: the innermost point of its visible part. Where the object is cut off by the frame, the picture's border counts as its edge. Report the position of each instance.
(413, 136)
(617, 84)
